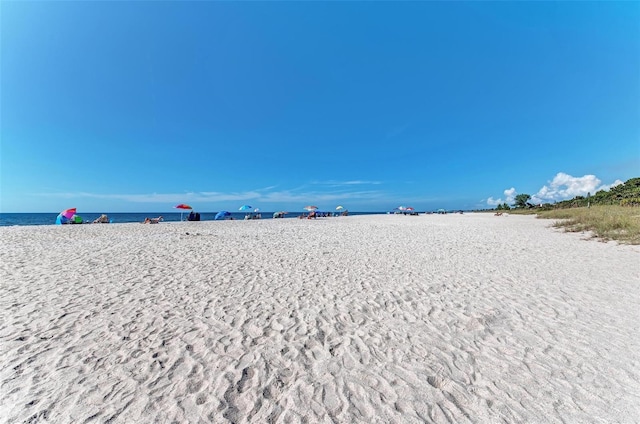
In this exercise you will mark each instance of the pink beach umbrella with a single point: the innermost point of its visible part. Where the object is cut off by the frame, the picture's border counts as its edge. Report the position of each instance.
(65, 216)
(68, 213)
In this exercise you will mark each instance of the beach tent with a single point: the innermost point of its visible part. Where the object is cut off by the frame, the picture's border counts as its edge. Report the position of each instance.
(222, 215)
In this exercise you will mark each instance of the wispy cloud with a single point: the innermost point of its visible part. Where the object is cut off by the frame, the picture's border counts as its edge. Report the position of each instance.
(395, 132)
(287, 196)
(264, 195)
(334, 183)
(159, 197)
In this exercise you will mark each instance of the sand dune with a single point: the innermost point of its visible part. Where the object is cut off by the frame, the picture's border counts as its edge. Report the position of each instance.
(377, 319)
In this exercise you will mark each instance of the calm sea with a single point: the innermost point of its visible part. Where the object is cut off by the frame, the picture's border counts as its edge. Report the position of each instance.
(7, 219)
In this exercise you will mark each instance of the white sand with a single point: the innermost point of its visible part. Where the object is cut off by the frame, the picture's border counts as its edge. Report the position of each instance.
(373, 319)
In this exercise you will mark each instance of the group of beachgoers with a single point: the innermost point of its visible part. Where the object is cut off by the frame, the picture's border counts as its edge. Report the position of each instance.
(314, 214)
(195, 216)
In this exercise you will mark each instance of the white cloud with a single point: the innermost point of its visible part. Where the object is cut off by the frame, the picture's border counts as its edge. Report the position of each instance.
(610, 186)
(562, 187)
(494, 202)
(509, 194)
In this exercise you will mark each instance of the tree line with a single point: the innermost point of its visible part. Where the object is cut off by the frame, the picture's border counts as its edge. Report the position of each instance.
(626, 194)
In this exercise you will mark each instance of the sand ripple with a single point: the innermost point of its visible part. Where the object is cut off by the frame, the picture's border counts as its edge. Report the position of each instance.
(376, 319)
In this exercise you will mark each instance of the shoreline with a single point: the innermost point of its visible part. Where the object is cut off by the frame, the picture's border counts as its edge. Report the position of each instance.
(470, 318)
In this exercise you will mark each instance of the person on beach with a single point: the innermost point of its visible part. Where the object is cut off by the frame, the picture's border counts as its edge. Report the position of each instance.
(102, 219)
(152, 220)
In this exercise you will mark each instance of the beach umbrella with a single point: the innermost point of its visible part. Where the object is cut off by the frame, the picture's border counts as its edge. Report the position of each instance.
(245, 208)
(182, 208)
(310, 208)
(221, 215)
(65, 216)
(339, 208)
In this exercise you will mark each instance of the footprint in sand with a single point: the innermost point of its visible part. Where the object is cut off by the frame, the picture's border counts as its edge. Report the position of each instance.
(437, 381)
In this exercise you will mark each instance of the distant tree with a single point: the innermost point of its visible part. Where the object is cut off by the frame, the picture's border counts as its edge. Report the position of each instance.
(521, 200)
(506, 207)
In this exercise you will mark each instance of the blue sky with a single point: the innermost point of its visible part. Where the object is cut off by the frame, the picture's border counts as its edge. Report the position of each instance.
(139, 106)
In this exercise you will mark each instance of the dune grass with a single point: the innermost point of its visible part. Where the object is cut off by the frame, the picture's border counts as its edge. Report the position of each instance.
(618, 223)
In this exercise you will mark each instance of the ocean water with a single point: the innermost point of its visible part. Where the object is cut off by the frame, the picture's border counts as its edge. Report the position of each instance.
(8, 219)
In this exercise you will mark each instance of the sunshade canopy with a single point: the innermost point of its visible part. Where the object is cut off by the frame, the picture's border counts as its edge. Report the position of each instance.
(222, 215)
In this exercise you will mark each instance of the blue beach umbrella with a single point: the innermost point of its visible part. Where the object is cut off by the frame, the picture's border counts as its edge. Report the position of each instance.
(221, 215)
(245, 208)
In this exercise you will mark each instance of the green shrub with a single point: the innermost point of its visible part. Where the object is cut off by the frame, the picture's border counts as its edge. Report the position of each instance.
(605, 222)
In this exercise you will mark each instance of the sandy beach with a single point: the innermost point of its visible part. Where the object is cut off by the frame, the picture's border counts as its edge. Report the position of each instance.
(375, 319)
